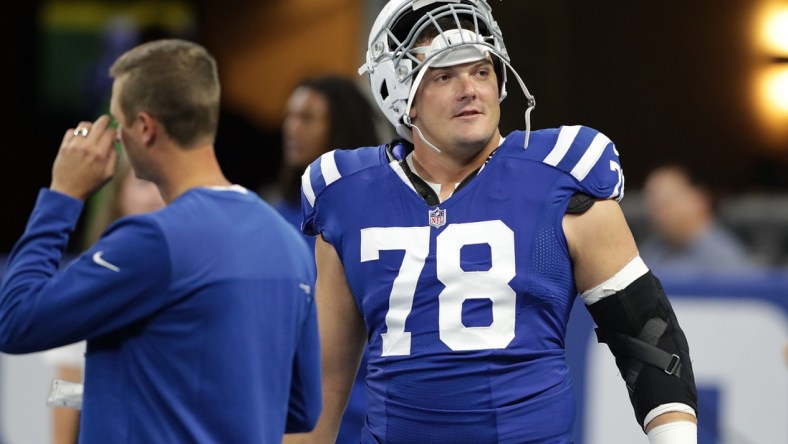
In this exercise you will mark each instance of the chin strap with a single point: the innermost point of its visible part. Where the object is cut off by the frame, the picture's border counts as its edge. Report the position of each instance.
(406, 117)
(528, 96)
(406, 120)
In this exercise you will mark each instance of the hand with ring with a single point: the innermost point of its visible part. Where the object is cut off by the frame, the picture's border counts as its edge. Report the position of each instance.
(86, 159)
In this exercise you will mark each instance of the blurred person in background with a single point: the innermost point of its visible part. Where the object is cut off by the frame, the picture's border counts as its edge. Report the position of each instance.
(323, 113)
(124, 195)
(687, 235)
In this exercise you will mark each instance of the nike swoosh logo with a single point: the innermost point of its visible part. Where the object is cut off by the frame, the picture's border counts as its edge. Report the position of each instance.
(100, 260)
(307, 289)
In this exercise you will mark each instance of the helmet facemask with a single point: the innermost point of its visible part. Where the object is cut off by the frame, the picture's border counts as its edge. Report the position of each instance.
(453, 32)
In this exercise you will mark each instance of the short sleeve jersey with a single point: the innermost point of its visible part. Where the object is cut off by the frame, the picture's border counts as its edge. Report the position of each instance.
(466, 303)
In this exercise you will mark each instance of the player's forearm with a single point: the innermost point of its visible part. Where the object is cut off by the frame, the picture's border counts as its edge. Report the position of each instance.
(327, 428)
(341, 356)
(673, 428)
(670, 417)
(338, 374)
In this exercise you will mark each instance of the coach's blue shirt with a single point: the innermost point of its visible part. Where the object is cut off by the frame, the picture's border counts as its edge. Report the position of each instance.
(200, 318)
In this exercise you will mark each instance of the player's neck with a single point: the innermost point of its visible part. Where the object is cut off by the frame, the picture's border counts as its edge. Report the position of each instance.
(449, 168)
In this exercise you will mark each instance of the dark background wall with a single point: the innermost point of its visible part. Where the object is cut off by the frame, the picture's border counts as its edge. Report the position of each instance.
(664, 80)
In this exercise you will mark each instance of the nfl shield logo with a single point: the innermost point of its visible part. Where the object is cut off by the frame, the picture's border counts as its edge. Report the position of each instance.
(437, 217)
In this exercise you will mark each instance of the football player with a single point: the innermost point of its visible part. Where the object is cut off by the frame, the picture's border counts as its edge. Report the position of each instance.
(456, 253)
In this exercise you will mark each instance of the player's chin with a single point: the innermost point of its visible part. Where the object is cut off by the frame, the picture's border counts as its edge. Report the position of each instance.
(475, 134)
(472, 144)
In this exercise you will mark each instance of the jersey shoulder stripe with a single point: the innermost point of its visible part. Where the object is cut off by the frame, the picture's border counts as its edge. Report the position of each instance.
(330, 168)
(587, 155)
(336, 164)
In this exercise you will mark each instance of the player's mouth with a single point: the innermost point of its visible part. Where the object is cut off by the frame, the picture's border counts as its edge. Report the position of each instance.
(468, 113)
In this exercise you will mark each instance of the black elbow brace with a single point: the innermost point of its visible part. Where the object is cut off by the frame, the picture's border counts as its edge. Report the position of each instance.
(640, 328)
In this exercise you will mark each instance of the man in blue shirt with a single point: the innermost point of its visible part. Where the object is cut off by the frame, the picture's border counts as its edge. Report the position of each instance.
(456, 254)
(687, 236)
(199, 318)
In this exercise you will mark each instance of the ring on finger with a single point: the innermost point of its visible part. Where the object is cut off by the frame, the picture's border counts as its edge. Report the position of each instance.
(81, 132)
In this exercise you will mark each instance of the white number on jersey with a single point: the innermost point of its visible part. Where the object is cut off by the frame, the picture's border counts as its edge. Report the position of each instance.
(460, 285)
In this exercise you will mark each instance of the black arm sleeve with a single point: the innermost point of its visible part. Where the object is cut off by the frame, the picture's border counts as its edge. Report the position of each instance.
(640, 327)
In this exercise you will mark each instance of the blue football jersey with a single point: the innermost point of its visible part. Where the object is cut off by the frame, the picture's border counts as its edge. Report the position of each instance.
(466, 303)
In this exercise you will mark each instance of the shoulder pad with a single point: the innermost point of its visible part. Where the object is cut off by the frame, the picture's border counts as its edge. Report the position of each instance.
(584, 153)
(579, 203)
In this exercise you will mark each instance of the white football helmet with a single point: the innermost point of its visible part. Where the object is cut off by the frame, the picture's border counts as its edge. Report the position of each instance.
(395, 70)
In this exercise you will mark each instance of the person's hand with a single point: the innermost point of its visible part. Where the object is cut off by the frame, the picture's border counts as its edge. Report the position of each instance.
(86, 159)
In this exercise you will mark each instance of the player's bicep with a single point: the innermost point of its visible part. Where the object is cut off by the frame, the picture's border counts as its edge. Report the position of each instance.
(600, 243)
(342, 328)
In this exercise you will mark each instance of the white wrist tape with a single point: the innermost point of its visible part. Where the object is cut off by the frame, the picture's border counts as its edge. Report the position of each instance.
(677, 432)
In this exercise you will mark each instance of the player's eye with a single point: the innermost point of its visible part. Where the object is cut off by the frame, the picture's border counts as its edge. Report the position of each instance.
(441, 76)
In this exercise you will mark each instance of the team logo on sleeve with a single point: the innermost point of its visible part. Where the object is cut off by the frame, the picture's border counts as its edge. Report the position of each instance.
(437, 217)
